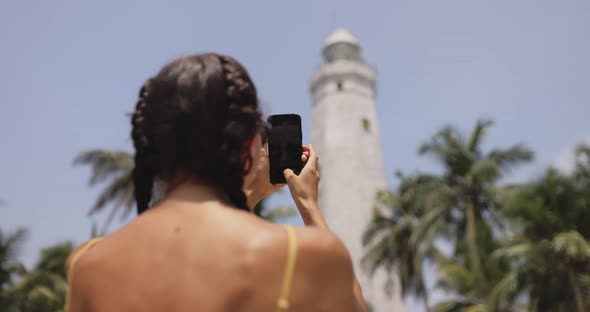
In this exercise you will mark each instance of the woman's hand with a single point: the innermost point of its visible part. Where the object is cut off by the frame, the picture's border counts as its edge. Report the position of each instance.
(260, 186)
(304, 188)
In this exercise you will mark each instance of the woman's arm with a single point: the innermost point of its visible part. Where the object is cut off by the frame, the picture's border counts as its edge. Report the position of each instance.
(312, 217)
(304, 190)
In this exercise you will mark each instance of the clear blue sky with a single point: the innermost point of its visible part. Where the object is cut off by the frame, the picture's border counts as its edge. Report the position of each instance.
(70, 71)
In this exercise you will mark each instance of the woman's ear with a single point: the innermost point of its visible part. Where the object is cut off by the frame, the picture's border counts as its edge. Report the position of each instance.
(247, 149)
(250, 153)
(253, 151)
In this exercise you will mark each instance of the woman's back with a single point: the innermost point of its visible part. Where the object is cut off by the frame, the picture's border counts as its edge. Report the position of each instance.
(204, 257)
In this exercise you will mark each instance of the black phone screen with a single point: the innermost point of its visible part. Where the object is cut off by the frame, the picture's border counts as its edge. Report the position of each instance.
(284, 146)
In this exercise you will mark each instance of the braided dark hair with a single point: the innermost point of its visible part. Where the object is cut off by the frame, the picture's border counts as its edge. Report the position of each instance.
(194, 119)
(144, 171)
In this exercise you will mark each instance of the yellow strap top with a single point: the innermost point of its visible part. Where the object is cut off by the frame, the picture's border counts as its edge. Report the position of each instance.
(72, 265)
(283, 301)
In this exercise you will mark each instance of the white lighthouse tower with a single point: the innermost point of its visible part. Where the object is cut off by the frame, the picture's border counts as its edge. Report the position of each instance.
(345, 134)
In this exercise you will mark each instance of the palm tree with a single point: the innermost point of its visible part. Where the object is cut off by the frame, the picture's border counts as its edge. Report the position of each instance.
(469, 295)
(553, 274)
(550, 254)
(460, 206)
(10, 245)
(115, 168)
(10, 267)
(582, 169)
(392, 243)
(467, 188)
(53, 259)
(44, 288)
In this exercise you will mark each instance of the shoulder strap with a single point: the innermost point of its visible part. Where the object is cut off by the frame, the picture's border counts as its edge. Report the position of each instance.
(283, 301)
(77, 254)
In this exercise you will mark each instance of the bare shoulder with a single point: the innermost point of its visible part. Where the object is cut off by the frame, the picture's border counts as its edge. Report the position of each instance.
(77, 267)
(323, 275)
(77, 253)
(326, 272)
(323, 255)
(320, 242)
(318, 251)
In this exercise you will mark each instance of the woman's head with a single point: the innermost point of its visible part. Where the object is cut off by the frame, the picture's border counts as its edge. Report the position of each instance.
(196, 120)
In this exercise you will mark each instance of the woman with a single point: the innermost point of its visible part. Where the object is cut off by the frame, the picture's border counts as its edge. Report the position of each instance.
(199, 248)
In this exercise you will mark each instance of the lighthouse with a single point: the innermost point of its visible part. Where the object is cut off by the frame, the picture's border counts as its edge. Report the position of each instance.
(345, 134)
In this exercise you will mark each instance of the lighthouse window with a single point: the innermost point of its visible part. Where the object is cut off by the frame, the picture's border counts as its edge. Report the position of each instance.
(366, 124)
(339, 85)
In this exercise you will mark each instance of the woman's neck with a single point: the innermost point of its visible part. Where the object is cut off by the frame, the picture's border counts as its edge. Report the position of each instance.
(196, 192)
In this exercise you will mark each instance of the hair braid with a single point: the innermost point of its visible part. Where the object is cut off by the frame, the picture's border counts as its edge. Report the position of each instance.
(194, 121)
(144, 172)
(241, 116)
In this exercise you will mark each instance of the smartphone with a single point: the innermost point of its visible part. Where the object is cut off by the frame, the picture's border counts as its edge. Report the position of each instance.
(284, 146)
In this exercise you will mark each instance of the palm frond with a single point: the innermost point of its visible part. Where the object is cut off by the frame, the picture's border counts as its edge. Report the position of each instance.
(38, 291)
(476, 308)
(379, 224)
(583, 282)
(448, 147)
(53, 258)
(583, 150)
(427, 225)
(484, 171)
(459, 305)
(120, 191)
(456, 277)
(379, 255)
(386, 198)
(504, 292)
(582, 169)
(506, 159)
(572, 245)
(279, 213)
(512, 252)
(11, 243)
(477, 134)
(105, 164)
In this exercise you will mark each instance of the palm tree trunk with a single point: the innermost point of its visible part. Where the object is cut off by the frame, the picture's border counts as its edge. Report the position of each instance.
(471, 239)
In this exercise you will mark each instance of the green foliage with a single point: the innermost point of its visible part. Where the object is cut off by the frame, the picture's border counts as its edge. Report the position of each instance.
(550, 251)
(459, 305)
(114, 170)
(275, 214)
(393, 245)
(10, 267)
(460, 206)
(41, 289)
(514, 247)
